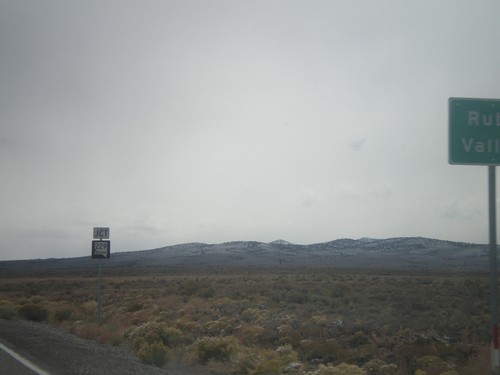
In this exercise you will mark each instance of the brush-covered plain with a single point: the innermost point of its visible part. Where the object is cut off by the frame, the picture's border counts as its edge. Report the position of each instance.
(266, 321)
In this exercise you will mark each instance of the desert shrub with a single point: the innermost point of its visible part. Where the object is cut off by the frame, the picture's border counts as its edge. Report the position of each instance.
(268, 366)
(89, 308)
(187, 324)
(156, 332)
(379, 367)
(297, 297)
(358, 338)
(115, 337)
(340, 290)
(432, 365)
(250, 334)
(36, 299)
(152, 341)
(134, 306)
(153, 354)
(216, 348)
(173, 337)
(267, 361)
(215, 327)
(207, 292)
(34, 312)
(342, 369)
(325, 350)
(286, 334)
(390, 369)
(32, 288)
(7, 310)
(63, 313)
(93, 331)
(190, 287)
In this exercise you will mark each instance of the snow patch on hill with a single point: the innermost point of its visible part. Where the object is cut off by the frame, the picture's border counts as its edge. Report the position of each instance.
(280, 242)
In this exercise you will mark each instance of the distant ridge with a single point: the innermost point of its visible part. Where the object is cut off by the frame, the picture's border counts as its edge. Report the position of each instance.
(406, 253)
(280, 242)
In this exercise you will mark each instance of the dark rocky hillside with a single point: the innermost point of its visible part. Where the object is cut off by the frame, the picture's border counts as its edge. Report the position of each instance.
(413, 253)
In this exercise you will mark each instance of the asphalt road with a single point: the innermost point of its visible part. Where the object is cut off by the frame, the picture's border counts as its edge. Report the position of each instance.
(11, 366)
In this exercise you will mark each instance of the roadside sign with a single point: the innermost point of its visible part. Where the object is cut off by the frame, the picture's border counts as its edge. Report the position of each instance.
(474, 139)
(474, 131)
(101, 233)
(101, 249)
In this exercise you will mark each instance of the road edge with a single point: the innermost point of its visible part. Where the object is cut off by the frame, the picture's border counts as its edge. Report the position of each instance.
(25, 362)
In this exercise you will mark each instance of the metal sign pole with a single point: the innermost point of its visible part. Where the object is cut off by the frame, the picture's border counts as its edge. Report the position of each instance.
(99, 287)
(100, 250)
(495, 360)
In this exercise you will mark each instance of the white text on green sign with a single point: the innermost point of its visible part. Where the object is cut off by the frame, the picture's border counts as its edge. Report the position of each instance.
(474, 131)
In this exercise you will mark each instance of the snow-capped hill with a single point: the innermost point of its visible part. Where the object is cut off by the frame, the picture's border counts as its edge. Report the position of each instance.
(391, 253)
(367, 239)
(280, 242)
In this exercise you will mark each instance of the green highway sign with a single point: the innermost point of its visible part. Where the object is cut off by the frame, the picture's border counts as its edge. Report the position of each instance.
(474, 131)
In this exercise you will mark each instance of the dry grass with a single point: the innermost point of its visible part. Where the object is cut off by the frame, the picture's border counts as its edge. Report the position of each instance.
(253, 322)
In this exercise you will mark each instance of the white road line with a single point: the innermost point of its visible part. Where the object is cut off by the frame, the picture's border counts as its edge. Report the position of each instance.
(23, 360)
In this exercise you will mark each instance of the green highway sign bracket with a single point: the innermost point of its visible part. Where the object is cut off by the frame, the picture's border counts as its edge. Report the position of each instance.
(474, 131)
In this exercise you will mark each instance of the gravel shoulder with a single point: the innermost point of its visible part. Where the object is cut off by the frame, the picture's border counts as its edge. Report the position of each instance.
(61, 353)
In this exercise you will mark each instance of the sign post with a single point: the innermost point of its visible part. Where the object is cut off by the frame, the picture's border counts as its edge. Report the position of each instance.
(495, 358)
(474, 139)
(100, 250)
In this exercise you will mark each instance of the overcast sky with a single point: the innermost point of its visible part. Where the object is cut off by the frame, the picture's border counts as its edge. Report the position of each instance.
(215, 121)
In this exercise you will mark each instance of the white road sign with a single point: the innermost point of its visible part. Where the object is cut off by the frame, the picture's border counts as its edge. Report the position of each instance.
(101, 233)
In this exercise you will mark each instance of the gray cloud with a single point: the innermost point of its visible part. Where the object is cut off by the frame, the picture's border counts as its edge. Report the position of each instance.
(188, 121)
(357, 145)
(360, 192)
(464, 208)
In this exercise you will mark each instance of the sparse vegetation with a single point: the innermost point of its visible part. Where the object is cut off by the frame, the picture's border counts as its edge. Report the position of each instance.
(153, 341)
(258, 321)
(216, 348)
(34, 312)
(7, 310)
